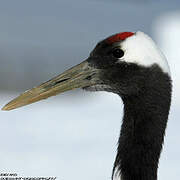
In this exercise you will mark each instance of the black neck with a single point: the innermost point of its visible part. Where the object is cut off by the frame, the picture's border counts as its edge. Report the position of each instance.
(142, 131)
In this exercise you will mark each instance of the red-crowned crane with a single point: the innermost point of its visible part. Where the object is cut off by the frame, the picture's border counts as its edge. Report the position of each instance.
(130, 65)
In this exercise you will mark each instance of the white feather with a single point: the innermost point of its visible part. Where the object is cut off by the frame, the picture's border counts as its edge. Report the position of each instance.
(117, 175)
(142, 50)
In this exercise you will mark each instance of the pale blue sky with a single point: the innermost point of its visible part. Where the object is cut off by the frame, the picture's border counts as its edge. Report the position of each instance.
(40, 38)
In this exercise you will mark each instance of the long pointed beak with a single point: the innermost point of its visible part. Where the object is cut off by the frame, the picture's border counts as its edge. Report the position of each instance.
(81, 75)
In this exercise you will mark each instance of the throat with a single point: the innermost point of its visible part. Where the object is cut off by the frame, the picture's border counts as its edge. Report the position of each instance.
(142, 134)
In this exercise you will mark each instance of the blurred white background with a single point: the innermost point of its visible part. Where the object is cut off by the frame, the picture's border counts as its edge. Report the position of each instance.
(74, 135)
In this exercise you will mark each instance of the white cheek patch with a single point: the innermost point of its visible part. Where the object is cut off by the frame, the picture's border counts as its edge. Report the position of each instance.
(142, 50)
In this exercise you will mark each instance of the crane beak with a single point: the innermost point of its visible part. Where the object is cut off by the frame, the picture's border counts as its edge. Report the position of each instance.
(79, 76)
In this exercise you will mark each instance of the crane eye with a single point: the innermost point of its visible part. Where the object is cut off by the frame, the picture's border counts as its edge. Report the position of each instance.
(118, 53)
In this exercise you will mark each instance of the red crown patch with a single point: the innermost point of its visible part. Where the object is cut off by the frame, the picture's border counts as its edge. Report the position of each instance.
(119, 37)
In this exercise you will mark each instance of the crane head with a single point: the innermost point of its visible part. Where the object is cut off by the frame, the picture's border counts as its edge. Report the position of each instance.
(119, 64)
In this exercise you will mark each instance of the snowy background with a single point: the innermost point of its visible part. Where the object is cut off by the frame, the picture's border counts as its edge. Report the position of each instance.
(74, 135)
